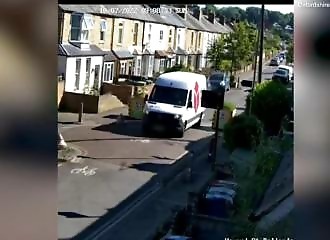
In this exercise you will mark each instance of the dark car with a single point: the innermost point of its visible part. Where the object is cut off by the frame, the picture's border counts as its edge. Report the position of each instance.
(281, 75)
(274, 62)
(217, 80)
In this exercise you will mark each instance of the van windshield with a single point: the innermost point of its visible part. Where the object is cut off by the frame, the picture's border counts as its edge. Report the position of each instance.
(169, 95)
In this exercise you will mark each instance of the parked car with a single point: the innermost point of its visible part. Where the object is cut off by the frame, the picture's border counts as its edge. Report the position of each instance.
(218, 79)
(281, 75)
(288, 69)
(274, 62)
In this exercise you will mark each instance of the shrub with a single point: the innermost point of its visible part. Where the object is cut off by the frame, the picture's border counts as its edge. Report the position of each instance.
(270, 103)
(229, 106)
(243, 131)
(177, 67)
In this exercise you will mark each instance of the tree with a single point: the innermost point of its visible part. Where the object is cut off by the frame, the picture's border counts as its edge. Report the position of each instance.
(237, 49)
(290, 54)
(271, 102)
(217, 53)
(242, 42)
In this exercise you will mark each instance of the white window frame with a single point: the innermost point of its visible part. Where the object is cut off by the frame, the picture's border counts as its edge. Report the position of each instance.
(103, 29)
(108, 66)
(123, 68)
(77, 74)
(138, 67)
(88, 71)
(135, 33)
(86, 24)
(120, 28)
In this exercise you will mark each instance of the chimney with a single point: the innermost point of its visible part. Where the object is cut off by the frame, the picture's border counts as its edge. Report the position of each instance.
(211, 17)
(198, 13)
(183, 14)
(155, 6)
(222, 20)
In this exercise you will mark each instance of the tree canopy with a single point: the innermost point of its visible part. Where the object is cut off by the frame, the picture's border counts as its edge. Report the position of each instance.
(252, 15)
(237, 49)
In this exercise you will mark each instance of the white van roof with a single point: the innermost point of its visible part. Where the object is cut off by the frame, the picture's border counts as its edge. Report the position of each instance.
(184, 80)
(285, 67)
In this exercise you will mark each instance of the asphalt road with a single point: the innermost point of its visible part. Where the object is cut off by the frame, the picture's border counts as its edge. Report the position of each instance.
(118, 161)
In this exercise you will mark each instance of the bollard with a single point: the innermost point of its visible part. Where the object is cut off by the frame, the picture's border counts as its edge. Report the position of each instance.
(81, 111)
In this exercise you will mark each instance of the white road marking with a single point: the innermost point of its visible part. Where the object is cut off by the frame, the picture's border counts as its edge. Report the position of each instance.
(140, 140)
(85, 171)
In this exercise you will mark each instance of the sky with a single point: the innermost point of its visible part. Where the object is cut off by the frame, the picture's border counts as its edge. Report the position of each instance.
(275, 7)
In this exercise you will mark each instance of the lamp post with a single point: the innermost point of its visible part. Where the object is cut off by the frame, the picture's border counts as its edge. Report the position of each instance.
(232, 55)
(254, 71)
(261, 42)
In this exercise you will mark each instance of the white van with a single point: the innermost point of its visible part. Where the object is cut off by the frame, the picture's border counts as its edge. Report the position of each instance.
(174, 103)
(288, 69)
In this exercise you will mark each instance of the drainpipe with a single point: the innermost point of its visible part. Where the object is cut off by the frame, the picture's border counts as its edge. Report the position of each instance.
(143, 46)
(117, 62)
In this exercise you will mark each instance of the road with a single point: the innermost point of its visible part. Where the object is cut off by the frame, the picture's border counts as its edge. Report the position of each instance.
(119, 165)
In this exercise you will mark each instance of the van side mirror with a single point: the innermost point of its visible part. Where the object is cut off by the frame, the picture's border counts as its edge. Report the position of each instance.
(189, 104)
(146, 97)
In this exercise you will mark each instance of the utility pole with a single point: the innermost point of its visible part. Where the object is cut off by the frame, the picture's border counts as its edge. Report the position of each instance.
(254, 70)
(261, 42)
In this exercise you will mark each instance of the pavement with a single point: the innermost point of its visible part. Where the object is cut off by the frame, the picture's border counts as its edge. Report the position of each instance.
(119, 167)
(280, 187)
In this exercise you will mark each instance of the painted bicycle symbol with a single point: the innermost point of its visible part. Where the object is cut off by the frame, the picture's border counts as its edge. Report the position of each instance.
(85, 171)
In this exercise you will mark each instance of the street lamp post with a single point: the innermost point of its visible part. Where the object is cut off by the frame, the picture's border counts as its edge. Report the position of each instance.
(261, 42)
(232, 56)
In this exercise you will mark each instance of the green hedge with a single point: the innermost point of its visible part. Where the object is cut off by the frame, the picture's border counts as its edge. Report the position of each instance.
(243, 131)
(178, 67)
(270, 103)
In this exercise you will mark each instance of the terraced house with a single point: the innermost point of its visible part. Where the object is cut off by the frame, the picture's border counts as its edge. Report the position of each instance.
(80, 57)
(98, 45)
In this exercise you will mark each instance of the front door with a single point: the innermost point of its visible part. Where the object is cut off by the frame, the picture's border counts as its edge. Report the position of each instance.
(96, 77)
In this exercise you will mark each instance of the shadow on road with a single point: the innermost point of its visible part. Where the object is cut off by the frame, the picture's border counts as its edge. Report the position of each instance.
(164, 174)
(75, 215)
(150, 167)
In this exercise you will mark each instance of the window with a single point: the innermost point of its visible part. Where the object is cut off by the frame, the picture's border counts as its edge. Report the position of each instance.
(103, 28)
(192, 39)
(161, 35)
(78, 65)
(150, 26)
(123, 68)
(120, 33)
(75, 27)
(108, 72)
(88, 70)
(138, 69)
(199, 39)
(178, 39)
(135, 33)
(81, 24)
(149, 37)
(170, 36)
